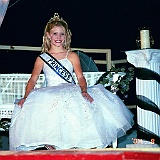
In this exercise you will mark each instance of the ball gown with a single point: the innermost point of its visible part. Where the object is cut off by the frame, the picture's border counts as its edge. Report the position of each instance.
(59, 115)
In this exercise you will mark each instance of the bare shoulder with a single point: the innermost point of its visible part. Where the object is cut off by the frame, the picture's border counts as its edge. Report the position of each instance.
(39, 60)
(73, 56)
(38, 64)
(72, 53)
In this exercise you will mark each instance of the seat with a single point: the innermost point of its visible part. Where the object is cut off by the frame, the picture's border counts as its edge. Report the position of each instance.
(87, 64)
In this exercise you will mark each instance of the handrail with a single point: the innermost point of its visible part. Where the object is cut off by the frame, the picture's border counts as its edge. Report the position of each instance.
(107, 52)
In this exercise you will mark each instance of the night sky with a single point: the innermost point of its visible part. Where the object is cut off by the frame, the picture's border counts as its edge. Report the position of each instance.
(109, 24)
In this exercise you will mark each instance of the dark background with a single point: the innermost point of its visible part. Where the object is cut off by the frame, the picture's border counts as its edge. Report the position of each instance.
(109, 24)
(112, 24)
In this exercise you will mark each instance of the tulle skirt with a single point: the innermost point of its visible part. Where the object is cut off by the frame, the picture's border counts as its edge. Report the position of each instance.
(62, 117)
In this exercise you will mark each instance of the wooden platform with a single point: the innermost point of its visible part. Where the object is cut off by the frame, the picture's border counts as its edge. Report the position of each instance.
(106, 154)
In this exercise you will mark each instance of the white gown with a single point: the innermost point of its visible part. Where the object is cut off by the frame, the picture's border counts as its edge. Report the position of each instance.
(59, 115)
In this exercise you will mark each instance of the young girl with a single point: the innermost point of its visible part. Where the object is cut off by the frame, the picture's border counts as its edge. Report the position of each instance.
(65, 115)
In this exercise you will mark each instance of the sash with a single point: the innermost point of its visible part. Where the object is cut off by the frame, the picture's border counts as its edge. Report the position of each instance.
(56, 66)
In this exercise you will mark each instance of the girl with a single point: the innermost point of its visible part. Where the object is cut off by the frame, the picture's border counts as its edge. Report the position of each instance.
(65, 115)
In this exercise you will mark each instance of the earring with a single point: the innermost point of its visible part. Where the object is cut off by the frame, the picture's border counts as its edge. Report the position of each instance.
(64, 43)
(49, 39)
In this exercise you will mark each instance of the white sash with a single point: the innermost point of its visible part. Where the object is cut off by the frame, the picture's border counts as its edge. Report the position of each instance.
(56, 66)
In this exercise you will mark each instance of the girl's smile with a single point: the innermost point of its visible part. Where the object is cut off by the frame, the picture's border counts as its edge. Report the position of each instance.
(57, 36)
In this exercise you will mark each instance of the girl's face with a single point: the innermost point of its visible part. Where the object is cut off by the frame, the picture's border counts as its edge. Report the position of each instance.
(57, 36)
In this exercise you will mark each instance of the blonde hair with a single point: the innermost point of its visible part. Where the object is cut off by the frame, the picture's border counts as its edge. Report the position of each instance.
(56, 21)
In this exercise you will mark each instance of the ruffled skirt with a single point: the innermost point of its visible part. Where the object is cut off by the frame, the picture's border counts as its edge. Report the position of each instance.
(62, 117)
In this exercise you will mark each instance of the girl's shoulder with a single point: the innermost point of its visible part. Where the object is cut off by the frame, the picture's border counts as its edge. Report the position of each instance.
(73, 57)
(72, 54)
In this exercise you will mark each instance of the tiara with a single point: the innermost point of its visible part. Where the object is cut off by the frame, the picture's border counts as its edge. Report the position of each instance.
(56, 17)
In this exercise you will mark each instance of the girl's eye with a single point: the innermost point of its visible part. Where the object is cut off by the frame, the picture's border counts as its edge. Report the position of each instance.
(55, 33)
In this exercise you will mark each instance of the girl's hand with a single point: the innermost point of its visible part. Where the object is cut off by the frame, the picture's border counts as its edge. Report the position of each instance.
(87, 96)
(21, 102)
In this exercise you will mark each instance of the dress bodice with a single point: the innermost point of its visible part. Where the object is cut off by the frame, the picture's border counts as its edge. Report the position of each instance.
(53, 79)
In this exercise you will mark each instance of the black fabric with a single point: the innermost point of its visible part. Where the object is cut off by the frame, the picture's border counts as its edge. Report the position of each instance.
(146, 74)
(146, 104)
(41, 148)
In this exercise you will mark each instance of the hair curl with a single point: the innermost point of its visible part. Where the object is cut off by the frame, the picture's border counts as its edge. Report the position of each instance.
(52, 23)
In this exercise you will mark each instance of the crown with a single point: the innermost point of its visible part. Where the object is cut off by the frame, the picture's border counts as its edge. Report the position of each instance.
(56, 17)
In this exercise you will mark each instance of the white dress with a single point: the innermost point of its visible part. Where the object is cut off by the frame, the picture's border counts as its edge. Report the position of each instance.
(59, 115)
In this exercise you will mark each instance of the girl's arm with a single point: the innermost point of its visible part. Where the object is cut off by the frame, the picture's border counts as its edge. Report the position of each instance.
(33, 79)
(74, 58)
